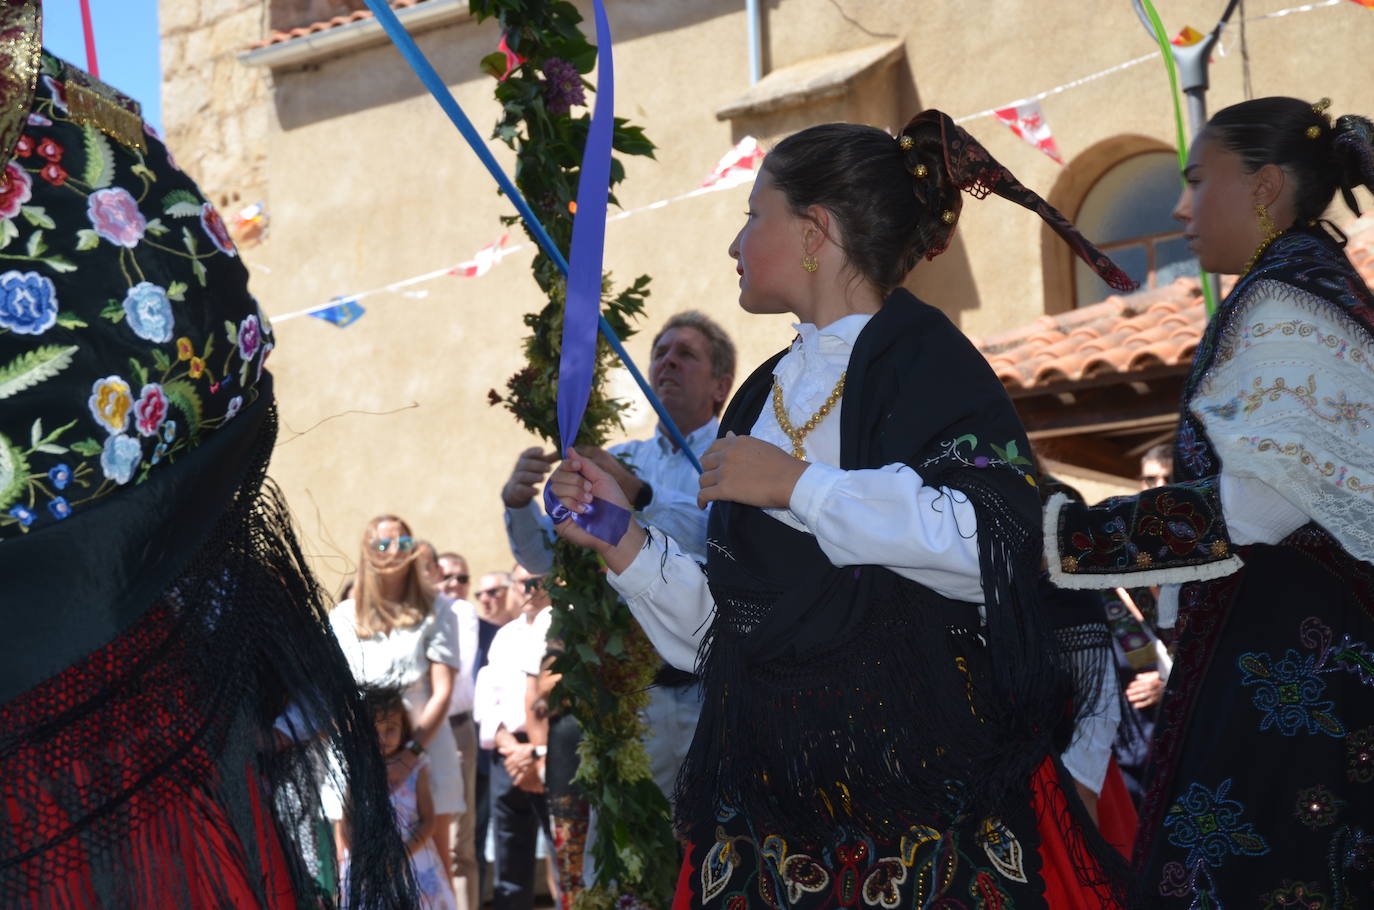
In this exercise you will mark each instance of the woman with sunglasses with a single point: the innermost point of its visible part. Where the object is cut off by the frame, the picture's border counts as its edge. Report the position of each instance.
(392, 635)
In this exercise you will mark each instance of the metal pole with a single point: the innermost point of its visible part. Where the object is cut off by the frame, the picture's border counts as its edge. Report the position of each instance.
(752, 13)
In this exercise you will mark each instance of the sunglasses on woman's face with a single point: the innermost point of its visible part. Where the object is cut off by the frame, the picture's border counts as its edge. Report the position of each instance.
(461, 577)
(402, 544)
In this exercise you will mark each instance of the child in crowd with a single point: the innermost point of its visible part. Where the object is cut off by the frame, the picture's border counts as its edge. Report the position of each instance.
(411, 800)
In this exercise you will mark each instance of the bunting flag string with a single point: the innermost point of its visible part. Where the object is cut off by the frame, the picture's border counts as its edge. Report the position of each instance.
(1028, 122)
(739, 166)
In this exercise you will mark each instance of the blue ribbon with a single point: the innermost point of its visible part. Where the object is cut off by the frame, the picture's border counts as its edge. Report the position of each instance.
(436, 87)
(582, 302)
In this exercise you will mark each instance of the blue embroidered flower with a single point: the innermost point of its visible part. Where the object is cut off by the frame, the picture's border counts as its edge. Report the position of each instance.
(1208, 825)
(1288, 692)
(59, 507)
(60, 476)
(149, 312)
(158, 452)
(28, 303)
(120, 457)
(24, 515)
(169, 431)
(1192, 450)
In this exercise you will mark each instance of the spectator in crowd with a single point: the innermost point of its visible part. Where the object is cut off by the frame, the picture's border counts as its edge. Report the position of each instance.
(692, 370)
(453, 588)
(393, 633)
(518, 807)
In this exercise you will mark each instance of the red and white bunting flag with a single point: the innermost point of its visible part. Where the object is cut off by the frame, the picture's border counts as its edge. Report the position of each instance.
(482, 262)
(740, 165)
(1028, 121)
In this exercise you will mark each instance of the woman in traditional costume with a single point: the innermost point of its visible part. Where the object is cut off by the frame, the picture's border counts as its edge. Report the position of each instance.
(884, 709)
(1261, 788)
(169, 686)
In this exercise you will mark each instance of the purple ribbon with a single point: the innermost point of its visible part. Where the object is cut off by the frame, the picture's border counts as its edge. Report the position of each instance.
(582, 303)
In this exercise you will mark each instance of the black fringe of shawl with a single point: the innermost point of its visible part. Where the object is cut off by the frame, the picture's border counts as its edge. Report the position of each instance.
(147, 774)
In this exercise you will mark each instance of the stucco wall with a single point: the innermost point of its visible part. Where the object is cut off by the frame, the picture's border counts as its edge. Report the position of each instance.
(367, 184)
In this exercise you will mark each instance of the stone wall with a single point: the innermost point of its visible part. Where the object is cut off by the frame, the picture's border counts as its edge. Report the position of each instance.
(216, 110)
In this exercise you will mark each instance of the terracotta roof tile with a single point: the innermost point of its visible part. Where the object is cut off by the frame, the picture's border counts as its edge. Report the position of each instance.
(1159, 327)
(280, 36)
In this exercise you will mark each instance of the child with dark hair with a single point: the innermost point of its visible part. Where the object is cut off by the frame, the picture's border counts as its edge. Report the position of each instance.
(885, 708)
(411, 799)
(1261, 786)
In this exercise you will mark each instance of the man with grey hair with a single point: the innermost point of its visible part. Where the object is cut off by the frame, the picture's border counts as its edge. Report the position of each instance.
(692, 370)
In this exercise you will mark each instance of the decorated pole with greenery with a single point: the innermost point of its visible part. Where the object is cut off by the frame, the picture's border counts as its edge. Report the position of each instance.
(608, 663)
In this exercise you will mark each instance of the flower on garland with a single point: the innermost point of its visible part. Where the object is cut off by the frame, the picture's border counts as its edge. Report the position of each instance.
(562, 86)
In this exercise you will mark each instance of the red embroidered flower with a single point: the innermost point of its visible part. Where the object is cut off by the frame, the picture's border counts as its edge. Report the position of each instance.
(15, 190)
(24, 147)
(150, 410)
(59, 92)
(50, 149)
(54, 173)
(214, 227)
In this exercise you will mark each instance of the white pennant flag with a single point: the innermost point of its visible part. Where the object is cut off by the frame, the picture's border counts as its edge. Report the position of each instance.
(1028, 121)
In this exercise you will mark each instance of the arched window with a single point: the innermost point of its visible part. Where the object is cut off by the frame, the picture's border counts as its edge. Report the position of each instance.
(1127, 213)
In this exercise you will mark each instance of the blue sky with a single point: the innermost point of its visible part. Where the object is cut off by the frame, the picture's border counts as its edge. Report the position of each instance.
(126, 45)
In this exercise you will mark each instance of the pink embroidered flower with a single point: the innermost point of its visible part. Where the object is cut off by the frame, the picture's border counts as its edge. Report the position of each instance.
(250, 337)
(59, 92)
(115, 216)
(38, 120)
(54, 173)
(150, 410)
(50, 149)
(15, 190)
(235, 404)
(214, 226)
(23, 148)
(262, 361)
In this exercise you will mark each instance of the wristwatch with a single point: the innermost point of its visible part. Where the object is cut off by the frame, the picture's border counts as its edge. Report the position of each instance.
(541, 751)
(415, 747)
(644, 496)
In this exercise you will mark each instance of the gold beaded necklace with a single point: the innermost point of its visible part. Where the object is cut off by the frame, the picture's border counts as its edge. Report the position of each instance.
(798, 434)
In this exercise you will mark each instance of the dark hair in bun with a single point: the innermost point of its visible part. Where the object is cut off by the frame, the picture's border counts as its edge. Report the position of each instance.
(889, 217)
(1321, 157)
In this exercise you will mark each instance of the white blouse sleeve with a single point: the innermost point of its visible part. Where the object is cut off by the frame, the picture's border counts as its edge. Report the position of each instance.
(888, 516)
(1090, 751)
(666, 591)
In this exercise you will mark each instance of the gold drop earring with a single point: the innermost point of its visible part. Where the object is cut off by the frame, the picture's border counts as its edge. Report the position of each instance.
(810, 262)
(1269, 229)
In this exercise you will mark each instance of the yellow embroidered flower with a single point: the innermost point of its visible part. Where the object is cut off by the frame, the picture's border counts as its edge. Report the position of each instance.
(1143, 560)
(110, 403)
(1069, 563)
(1219, 548)
(197, 367)
(185, 350)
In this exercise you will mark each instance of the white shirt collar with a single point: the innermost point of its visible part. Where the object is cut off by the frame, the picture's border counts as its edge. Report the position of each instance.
(834, 341)
(698, 439)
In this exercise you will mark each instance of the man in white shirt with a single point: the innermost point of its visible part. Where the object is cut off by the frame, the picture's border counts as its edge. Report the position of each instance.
(518, 808)
(453, 584)
(692, 370)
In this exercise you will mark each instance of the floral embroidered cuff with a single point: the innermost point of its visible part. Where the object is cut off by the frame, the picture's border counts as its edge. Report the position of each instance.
(1167, 535)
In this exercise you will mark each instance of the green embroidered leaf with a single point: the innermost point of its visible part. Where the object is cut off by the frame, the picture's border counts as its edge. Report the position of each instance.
(39, 440)
(37, 216)
(1011, 451)
(1329, 724)
(199, 268)
(161, 360)
(36, 432)
(114, 311)
(157, 228)
(968, 438)
(139, 371)
(50, 448)
(36, 245)
(100, 161)
(86, 239)
(14, 473)
(232, 331)
(88, 447)
(182, 395)
(1254, 666)
(71, 321)
(188, 240)
(33, 367)
(1001, 452)
(60, 264)
(143, 171)
(209, 346)
(176, 291)
(8, 232)
(181, 204)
